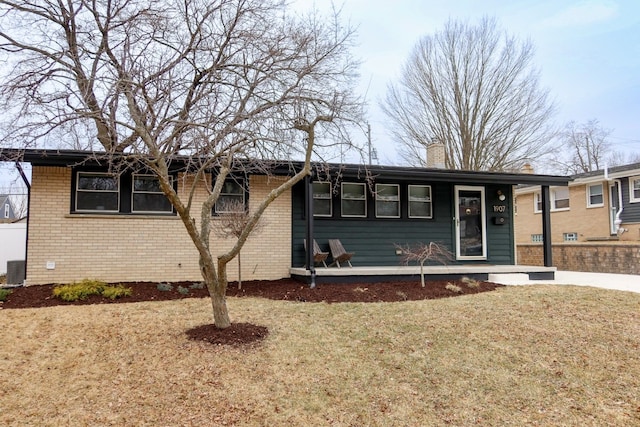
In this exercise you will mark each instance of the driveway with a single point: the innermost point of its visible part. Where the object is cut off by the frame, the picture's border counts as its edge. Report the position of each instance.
(621, 282)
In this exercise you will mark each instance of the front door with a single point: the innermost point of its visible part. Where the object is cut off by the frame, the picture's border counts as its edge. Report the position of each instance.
(471, 242)
(614, 206)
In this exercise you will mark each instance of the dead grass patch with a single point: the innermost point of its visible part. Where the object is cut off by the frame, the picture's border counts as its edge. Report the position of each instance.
(535, 355)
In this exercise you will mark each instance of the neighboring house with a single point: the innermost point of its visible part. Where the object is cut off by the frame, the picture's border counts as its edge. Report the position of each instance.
(595, 206)
(7, 213)
(84, 222)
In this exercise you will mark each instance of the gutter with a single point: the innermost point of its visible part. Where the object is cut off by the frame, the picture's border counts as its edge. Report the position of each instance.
(26, 244)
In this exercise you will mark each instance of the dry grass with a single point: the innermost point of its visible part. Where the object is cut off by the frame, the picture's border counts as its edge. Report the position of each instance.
(519, 356)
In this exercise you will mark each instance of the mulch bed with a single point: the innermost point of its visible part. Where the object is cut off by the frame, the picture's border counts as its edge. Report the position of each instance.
(284, 289)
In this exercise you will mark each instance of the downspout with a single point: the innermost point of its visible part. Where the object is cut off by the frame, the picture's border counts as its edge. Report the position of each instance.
(308, 181)
(618, 221)
(26, 243)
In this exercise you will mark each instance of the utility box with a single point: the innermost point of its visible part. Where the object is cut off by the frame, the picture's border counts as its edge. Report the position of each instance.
(15, 272)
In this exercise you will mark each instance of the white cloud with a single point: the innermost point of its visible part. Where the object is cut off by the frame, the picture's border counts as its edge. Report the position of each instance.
(583, 13)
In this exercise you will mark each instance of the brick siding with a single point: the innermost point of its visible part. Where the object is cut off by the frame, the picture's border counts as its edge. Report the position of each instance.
(142, 248)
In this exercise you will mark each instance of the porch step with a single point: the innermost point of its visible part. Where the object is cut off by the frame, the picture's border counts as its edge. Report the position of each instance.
(508, 278)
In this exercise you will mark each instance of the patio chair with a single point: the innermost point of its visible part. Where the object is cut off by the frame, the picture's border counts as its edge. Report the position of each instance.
(339, 254)
(318, 255)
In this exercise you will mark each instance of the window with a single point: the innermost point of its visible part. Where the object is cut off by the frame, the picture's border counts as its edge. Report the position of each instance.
(634, 189)
(560, 198)
(537, 238)
(322, 203)
(595, 197)
(387, 201)
(147, 195)
(570, 237)
(354, 200)
(231, 197)
(420, 201)
(537, 202)
(97, 192)
(6, 210)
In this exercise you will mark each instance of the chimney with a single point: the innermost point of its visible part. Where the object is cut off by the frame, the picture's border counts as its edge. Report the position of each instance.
(527, 168)
(435, 155)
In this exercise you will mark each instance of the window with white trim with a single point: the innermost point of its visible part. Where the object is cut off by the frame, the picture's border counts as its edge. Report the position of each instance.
(537, 202)
(6, 210)
(634, 189)
(420, 205)
(387, 201)
(97, 192)
(322, 201)
(232, 197)
(353, 200)
(570, 237)
(147, 197)
(537, 238)
(560, 198)
(595, 196)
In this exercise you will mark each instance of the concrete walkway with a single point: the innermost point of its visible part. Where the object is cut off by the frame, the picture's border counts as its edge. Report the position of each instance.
(621, 282)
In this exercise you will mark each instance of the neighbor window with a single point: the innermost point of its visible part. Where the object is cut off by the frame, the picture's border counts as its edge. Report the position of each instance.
(387, 201)
(147, 195)
(537, 202)
(354, 200)
(595, 196)
(537, 238)
(322, 203)
(420, 201)
(560, 198)
(634, 189)
(6, 210)
(570, 237)
(231, 197)
(97, 192)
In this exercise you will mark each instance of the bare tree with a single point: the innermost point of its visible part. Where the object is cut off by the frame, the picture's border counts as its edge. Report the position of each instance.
(423, 252)
(231, 223)
(474, 90)
(585, 147)
(220, 83)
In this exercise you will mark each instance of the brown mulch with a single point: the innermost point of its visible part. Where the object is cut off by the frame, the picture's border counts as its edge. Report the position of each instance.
(284, 289)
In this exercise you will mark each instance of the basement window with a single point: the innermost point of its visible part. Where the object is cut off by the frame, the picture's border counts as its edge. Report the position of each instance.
(570, 237)
(537, 238)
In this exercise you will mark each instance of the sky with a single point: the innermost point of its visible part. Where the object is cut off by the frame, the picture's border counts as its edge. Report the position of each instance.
(587, 51)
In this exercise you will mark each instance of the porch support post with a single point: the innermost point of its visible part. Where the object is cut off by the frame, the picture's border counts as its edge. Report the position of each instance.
(546, 226)
(308, 185)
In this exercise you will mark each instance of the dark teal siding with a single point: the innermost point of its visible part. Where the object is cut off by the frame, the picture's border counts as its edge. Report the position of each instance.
(631, 211)
(373, 239)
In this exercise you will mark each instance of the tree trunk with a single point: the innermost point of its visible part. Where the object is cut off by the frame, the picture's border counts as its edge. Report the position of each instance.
(217, 287)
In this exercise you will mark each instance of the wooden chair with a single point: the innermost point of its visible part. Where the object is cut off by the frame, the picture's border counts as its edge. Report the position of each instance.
(318, 255)
(339, 254)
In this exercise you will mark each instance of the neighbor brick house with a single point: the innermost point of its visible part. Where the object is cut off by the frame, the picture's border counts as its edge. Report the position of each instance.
(595, 206)
(595, 222)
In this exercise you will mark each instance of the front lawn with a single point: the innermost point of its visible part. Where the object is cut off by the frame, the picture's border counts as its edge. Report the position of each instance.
(531, 355)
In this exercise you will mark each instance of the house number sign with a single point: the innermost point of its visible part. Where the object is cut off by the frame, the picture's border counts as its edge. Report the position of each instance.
(499, 208)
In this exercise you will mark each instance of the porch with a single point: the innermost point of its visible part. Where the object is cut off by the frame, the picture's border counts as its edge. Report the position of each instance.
(437, 272)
